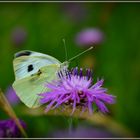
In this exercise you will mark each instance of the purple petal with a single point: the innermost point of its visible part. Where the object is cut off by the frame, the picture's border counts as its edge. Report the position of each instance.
(50, 105)
(90, 107)
(101, 106)
(74, 106)
(98, 84)
(106, 98)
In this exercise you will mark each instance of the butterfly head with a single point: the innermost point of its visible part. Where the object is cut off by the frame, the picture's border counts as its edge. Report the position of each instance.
(64, 65)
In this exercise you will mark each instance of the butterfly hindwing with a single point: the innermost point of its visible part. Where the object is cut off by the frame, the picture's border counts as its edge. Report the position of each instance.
(29, 87)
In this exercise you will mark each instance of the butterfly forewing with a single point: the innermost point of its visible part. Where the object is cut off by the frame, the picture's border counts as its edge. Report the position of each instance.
(26, 65)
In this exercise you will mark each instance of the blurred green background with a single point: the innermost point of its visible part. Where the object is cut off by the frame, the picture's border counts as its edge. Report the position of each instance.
(116, 59)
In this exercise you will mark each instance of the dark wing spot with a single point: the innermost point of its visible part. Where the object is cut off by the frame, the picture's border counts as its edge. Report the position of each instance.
(23, 53)
(30, 68)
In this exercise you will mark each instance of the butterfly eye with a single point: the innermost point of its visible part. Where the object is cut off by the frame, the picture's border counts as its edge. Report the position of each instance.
(30, 68)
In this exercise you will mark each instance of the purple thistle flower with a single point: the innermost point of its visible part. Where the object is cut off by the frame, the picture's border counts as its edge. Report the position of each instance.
(89, 37)
(77, 90)
(8, 129)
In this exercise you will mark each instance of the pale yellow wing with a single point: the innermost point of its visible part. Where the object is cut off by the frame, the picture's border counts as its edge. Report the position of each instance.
(29, 87)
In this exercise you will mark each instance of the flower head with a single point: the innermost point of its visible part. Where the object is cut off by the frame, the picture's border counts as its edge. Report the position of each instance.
(9, 129)
(76, 90)
(89, 37)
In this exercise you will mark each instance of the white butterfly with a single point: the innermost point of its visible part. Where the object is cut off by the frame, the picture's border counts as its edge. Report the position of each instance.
(32, 71)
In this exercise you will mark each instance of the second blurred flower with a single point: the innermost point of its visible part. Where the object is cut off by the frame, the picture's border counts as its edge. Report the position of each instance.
(18, 36)
(89, 37)
(11, 96)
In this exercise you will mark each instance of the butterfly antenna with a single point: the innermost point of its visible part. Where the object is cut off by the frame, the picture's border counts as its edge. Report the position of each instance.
(80, 53)
(66, 54)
